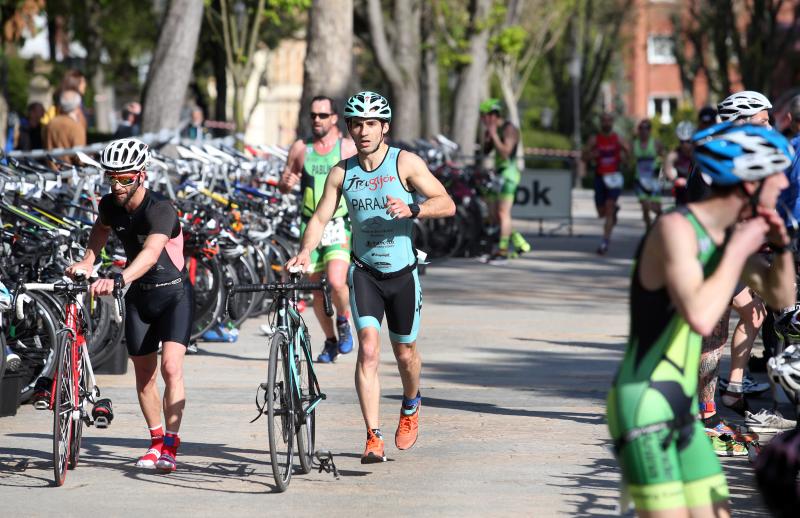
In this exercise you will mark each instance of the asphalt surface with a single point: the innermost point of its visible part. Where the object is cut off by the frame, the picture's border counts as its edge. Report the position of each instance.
(517, 361)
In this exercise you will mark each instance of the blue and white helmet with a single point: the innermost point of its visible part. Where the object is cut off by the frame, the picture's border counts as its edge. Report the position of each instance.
(368, 105)
(742, 105)
(123, 155)
(729, 153)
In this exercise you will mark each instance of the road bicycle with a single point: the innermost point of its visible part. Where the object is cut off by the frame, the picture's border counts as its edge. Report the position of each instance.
(292, 391)
(73, 386)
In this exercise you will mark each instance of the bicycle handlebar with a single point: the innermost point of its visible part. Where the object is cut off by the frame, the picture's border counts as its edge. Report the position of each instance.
(290, 286)
(60, 288)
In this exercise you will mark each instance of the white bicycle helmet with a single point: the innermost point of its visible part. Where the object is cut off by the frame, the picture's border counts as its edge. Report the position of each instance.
(741, 105)
(784, 370)
(123, 155)
(368, 105)
(684, 130)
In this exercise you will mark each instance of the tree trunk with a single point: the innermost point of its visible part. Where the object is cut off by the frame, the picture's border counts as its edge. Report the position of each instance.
(472, 79)
(328, 66)
(221, 78)
(402, 68)
(430, 74)
(171, 67)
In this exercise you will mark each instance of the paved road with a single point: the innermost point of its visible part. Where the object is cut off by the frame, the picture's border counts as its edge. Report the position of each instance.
(517, 362)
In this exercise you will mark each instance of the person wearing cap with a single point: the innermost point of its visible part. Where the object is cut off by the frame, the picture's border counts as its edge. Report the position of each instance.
(502, 138)
(159, 304)
(380, 185)
(691, 257)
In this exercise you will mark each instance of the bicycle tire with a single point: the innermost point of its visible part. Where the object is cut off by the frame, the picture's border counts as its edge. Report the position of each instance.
(209, 294)
(280, 412)
(77, 424)
(242, 305)
(307, 429)
(62, 411)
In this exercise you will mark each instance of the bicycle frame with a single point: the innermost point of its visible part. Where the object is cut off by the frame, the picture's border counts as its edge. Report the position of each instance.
(73, 325)
(290, 322)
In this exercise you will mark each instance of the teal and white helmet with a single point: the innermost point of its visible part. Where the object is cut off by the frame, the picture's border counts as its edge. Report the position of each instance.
(368, 105)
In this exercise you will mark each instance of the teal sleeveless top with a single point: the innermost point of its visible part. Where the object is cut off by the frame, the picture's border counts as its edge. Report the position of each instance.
(379, 241)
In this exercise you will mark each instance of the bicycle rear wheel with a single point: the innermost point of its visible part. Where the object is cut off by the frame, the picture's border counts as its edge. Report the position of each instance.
(307, 427)
(280, 411)
(62, 410)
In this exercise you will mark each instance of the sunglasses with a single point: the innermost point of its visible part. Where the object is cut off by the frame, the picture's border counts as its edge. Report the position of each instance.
(124, 182)
(321, 116)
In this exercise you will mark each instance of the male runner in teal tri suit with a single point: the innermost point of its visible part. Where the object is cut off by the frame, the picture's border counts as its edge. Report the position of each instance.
(378, 185)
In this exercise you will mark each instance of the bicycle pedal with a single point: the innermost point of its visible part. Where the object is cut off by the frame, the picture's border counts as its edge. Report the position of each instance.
(41, 405)
(263, 386)
(101, 422)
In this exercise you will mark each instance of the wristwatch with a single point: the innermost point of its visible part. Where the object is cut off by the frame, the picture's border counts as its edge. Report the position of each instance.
(414, 210)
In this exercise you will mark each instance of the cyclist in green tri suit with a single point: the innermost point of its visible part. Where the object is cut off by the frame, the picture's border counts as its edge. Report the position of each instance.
(502, 137)
(686, 270)
(309, 163)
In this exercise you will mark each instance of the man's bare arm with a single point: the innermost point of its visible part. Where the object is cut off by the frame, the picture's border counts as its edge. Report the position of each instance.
(438, 203)
(326, 207)
(293, 171)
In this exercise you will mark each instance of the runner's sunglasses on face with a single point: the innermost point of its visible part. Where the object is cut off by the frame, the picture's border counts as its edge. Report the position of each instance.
(123, 181)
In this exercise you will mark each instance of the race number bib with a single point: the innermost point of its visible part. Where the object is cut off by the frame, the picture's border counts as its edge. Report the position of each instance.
(334, 233)
(613, 180)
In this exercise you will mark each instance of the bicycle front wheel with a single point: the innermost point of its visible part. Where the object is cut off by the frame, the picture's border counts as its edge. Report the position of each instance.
(309, 392)
(77, 424)
(280, 411)
(62, 409)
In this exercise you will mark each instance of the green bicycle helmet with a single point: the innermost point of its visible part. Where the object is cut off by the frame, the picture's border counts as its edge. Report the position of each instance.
(491, 105)
(368, 105)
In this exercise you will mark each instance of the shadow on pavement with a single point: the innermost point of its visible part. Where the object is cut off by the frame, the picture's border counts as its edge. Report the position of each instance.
(488, 408)
(563, 374)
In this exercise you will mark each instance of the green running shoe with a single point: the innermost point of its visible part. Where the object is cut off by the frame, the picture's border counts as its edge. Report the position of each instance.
(520, 243)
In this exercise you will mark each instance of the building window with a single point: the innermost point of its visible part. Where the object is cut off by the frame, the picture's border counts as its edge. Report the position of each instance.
(660, 50)
(663, 107)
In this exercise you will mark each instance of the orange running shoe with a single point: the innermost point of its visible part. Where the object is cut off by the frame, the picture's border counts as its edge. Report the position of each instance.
(407, 428)
(373, 453)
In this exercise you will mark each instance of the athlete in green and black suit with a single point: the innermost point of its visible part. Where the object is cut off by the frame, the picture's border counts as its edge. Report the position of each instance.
(687, 268)
(502, 138)
(309, 163)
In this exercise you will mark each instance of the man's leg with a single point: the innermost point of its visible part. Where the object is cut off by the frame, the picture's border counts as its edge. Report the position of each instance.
(145, 369)
(367, 382)
(610, 213)
(645, 203)
(340, 294)
(504, 218)
(409, 364)
(751, 316)
(709, 365)
(172, 355)
(325, 322)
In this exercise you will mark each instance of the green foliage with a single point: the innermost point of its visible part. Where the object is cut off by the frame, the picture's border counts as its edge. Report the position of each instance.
(18, 79)
(510, 41)
(534, 137)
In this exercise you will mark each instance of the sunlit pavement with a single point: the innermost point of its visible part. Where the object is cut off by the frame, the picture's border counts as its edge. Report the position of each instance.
(517, 361)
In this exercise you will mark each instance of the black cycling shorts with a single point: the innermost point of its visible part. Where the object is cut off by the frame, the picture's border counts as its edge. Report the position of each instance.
(400, 298)
(162, 314)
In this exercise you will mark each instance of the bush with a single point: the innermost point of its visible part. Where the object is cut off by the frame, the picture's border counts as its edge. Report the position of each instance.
(18, 78)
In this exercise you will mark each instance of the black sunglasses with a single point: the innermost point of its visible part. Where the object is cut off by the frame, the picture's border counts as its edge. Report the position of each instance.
(322, 116)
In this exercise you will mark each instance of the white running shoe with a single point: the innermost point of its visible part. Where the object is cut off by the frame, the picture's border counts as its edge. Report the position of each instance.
(149, 459)
(767, 421)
